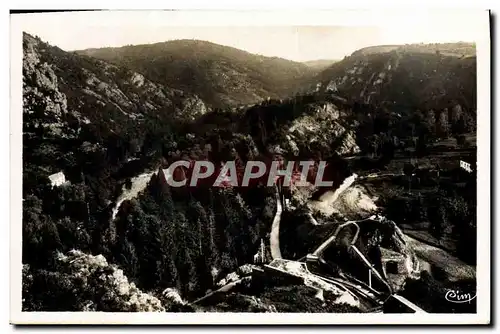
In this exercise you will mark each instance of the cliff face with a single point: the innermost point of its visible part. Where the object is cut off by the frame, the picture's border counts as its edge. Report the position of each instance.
(44, 106)
(323, 126)
(309, 126)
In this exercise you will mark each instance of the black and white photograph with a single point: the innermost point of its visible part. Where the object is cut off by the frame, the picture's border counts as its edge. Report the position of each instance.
(201, 167)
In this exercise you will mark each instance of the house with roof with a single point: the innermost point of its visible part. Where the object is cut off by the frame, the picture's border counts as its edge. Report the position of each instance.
(467, 166)
(57, 179)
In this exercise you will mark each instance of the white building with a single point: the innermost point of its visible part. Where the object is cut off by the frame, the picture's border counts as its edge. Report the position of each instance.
(466, 166)
(57, 179)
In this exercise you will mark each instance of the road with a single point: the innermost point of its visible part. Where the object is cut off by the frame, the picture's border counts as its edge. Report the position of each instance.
(139, 183)
(274, 239)
(376, 175)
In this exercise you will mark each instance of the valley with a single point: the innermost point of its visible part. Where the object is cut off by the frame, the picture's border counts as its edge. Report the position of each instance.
(394, 124)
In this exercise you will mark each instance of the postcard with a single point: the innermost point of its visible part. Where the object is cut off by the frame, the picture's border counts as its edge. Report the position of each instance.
(250, 167)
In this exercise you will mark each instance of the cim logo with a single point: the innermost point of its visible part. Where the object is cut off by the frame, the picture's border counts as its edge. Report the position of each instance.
(455, 296)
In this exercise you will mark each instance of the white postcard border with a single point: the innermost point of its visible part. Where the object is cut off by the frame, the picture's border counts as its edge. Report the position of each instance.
(214, 18)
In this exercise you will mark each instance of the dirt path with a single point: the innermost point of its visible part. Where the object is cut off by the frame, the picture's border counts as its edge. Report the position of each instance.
(139, 183)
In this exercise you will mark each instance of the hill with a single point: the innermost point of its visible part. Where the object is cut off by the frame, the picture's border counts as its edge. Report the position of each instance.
(409, 89)
(221, 75)
(405, 76)
(460, 49)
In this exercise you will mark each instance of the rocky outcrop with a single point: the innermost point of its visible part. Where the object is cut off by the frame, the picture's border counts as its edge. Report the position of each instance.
(44, 105)
(242, 271)
(84, 282)
(192, 108)
(321, 125)
(96, 270)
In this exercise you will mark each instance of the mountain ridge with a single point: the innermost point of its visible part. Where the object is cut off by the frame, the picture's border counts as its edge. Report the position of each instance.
(233, 76)
(406, 83)
(458, 49)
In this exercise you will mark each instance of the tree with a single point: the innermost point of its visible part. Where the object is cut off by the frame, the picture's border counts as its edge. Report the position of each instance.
(409, 170)
(418, 209)
(438, 220)
(430, 122)
(374, 143)
(442, 124)
(421, 147)
(128, 183)
(387, 150)
(461, 140)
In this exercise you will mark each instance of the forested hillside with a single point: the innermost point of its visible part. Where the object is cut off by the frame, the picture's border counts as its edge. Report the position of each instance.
(222, 76)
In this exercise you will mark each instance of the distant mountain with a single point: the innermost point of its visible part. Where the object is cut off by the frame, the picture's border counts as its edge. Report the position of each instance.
(320, 64)
(221, 75)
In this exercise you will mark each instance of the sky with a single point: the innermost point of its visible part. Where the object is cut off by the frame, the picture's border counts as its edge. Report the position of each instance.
(291, 35)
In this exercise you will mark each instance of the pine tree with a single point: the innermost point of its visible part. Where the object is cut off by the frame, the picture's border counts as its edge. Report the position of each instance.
(443, 125)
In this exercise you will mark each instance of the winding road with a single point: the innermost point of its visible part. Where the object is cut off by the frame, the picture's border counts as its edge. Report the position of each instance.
(274, 239)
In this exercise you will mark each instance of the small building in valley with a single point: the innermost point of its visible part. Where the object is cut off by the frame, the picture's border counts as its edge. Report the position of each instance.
(57, 179)
(466, 166)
